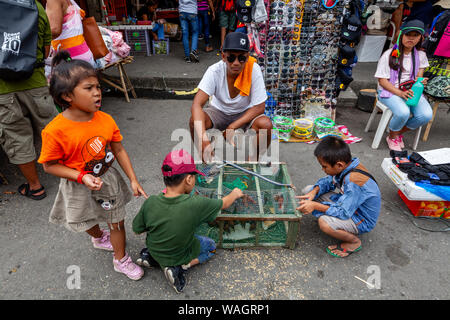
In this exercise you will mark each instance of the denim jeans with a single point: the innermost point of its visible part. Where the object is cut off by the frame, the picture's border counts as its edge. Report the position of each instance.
(421, 113)
(159, 29)
(203, 24)
(188, 22)
(206, 246)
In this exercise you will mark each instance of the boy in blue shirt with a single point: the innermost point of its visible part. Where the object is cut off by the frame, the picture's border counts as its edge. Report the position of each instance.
(347, 201)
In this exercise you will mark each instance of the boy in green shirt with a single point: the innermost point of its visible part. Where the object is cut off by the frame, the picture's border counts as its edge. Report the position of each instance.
(171, 218)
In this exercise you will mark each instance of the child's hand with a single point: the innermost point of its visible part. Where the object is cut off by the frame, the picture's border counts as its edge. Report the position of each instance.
(406, 94)
(138, 190)
(425, 81)
(309, 196)
(91, 182)
(237, 193)
(307, 206)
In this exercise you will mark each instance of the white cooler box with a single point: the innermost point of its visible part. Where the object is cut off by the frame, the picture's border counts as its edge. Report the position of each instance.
(408, 187)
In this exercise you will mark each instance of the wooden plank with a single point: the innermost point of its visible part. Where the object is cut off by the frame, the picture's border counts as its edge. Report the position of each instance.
(252, 245)
(260, 204)
(257, 217)
(127, 80)
(122, 80)
(219, 196)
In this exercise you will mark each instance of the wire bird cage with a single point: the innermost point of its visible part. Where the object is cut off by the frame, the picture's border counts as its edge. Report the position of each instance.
(265, 216)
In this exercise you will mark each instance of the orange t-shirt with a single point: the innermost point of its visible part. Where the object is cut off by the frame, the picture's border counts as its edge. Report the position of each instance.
(83, 146)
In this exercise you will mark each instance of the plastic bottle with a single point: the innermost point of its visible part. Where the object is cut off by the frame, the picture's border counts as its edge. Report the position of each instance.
(417, 88)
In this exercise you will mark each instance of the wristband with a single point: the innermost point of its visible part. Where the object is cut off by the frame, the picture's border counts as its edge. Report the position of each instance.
(81, 175)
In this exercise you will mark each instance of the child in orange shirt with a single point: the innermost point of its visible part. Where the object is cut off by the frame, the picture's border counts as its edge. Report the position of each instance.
(80, 145)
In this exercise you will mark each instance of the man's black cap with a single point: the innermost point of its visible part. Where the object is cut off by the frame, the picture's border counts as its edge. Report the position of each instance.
(236, 41)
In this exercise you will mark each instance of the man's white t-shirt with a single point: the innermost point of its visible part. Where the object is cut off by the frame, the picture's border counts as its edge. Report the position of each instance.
(214, 84)
(384, 71)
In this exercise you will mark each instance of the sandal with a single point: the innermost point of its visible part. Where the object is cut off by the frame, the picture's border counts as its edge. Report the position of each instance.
(338, 247)
(31, 193)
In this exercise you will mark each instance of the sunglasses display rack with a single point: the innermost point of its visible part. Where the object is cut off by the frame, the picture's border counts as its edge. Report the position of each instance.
(299, 45)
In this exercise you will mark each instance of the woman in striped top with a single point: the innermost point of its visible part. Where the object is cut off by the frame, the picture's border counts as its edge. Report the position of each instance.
(65, 18)
(203, 20)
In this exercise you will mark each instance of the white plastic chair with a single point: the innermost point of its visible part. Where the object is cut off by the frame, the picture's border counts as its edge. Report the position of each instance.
(383, 125)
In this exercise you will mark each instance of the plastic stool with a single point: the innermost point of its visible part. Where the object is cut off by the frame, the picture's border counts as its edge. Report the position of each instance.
(383, 124)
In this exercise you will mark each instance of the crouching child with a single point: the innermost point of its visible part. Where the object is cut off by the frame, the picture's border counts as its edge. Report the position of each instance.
(347, 201)
(171, 218)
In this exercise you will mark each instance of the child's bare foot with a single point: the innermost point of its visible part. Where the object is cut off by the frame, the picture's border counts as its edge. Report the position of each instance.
(344, 249)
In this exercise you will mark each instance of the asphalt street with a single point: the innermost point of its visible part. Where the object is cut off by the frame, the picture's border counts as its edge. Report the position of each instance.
(39, 259)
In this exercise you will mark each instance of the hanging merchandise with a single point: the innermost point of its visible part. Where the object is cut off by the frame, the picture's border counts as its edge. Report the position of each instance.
(244, 10)
(259, 12)
(300, 49)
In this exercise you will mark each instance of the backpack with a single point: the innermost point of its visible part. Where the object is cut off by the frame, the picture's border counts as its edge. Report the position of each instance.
(439, 25)
(18, 39)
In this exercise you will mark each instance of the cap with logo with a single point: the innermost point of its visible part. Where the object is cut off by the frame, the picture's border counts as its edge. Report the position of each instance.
(236, 41)
(180, 162)
(244, 10)
(342, 79)
(346, 55)
(351, 30)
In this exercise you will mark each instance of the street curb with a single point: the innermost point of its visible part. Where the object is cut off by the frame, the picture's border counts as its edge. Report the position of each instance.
(161, 87)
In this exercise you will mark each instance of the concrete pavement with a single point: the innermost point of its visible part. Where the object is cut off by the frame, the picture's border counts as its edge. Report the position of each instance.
(39, 258)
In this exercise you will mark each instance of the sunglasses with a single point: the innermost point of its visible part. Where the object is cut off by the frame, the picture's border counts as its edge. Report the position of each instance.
(241, 58)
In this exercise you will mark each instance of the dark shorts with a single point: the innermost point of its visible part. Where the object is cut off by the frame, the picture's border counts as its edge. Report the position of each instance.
(221, 120)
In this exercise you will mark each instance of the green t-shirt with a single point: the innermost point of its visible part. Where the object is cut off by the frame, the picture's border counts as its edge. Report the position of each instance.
(170, 224)
(37, 79)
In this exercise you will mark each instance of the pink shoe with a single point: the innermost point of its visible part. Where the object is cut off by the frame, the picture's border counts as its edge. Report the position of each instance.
(103, 242)
(393, 144)
(128, 267)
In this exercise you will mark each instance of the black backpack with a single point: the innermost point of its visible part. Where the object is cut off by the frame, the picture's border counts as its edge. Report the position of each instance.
(18, 39)
(436, 31)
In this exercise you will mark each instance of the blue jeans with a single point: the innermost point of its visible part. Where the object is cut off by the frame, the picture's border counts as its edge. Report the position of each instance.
(159, 29)
(189, 21)
(206, 246)
(421, 113)
(203, 24)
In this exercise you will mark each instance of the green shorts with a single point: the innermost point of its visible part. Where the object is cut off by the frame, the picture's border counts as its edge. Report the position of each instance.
(227, 19)
(20, 112)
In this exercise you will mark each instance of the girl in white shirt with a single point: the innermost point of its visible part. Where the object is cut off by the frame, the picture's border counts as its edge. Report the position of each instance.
(401, 63)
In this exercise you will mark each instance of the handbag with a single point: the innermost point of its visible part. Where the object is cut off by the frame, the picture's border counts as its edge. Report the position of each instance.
(405, 86)
(94, 38)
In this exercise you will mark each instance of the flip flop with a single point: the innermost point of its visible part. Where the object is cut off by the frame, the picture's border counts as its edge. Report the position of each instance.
(338, 247)
(31, 193)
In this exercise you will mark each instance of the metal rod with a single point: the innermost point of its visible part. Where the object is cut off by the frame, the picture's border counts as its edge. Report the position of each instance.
(258, 175)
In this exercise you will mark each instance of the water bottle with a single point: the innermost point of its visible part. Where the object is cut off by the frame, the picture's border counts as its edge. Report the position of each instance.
(417, 88)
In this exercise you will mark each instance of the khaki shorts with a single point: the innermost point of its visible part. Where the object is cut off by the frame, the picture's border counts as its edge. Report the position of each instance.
(79, 209)
(20, 112)
(338, 224)
(221, 120)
